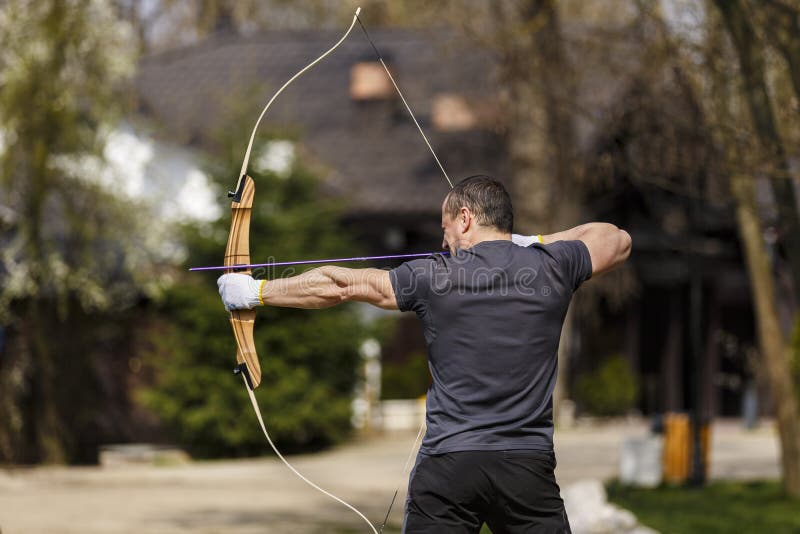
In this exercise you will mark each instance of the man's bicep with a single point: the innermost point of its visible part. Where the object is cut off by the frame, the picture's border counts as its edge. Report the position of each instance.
(375, 287)
(384, 290)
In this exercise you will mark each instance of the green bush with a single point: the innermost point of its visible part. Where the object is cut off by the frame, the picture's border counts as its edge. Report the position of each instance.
(610, 390)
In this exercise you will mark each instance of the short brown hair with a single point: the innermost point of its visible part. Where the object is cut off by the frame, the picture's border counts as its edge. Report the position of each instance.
(486, 198)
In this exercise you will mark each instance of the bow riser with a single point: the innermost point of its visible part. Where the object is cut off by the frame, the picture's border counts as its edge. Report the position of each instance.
(237, 252)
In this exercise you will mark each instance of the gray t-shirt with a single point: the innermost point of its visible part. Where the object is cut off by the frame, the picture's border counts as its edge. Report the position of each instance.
(492, 318)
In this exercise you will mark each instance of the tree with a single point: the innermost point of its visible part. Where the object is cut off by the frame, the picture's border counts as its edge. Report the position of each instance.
(773, 341)
(752, 67)
(773, 344)
(738, 112)
(67, 250)
(783, 20)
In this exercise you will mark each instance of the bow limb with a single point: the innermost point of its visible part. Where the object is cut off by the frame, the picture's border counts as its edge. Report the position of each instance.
(286, 84)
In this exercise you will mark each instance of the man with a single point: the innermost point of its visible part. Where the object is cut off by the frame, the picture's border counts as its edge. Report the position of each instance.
(492, 314)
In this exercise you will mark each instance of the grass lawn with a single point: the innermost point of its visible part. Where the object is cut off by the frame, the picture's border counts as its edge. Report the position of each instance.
(739, 507)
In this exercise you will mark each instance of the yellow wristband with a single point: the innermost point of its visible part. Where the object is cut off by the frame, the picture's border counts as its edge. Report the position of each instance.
(540, 238)
(260, 290)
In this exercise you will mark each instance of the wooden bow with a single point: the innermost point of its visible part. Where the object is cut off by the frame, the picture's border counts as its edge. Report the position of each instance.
(237, 253)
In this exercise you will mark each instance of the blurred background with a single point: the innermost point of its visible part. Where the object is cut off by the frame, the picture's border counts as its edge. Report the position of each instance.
(123, 123)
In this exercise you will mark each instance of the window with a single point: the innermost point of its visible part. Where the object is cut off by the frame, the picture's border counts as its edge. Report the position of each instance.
(451, 113)
(368, 81)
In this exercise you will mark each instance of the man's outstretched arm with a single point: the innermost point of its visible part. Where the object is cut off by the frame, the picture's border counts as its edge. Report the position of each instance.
(608, 245)
(318, 288)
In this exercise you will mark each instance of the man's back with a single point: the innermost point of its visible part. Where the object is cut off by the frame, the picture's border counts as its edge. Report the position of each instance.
(492, 317)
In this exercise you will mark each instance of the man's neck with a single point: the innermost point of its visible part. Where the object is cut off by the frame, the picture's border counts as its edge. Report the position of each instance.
(485, 235)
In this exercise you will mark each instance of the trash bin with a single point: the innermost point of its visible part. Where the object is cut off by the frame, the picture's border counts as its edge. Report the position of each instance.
(679, 445)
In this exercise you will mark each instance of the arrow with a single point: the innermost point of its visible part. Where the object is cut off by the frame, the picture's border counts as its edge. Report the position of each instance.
(312, 262)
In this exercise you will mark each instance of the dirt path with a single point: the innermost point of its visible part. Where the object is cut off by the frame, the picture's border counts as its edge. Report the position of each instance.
(262, 496)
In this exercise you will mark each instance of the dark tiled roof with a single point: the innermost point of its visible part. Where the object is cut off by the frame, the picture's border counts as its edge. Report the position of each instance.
(372, 150)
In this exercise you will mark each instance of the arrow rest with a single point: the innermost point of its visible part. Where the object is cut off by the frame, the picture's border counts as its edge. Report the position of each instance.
(242, 369)
(237, 195)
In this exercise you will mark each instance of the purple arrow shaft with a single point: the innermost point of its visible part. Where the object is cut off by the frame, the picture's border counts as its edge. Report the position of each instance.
(311, 262)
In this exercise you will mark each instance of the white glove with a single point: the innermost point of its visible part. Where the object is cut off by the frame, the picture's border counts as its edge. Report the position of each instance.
(525, 240)
(240, 291)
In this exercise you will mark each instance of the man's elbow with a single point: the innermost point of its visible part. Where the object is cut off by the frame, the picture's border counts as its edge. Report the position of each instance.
(609, 247)
(332, 286)
(625, 244)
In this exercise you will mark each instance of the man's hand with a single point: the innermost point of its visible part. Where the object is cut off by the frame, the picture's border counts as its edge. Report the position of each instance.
(240, 291)
(525, 240)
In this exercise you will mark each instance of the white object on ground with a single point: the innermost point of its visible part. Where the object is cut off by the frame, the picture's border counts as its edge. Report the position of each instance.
(589, 511)
(640, 461)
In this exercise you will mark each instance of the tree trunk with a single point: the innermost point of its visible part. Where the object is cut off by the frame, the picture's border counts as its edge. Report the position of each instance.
(542, 140)
(772, 342)
(784, 33)
(48, 436)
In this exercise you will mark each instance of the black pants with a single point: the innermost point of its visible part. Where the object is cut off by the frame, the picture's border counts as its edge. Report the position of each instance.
(511, 491)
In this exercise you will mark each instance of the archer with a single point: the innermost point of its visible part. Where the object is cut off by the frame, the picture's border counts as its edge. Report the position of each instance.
(492, 313)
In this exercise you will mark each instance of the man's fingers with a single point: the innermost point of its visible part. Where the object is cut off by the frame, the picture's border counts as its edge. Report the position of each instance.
(238, 291)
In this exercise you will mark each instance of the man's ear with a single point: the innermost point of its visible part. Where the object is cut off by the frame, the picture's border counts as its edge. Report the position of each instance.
(466, 219)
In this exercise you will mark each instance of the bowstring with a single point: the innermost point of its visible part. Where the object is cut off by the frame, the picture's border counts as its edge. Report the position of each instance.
(250, 392)
(450, 183)
(254, 402)
(403, 98)
(402, 475)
